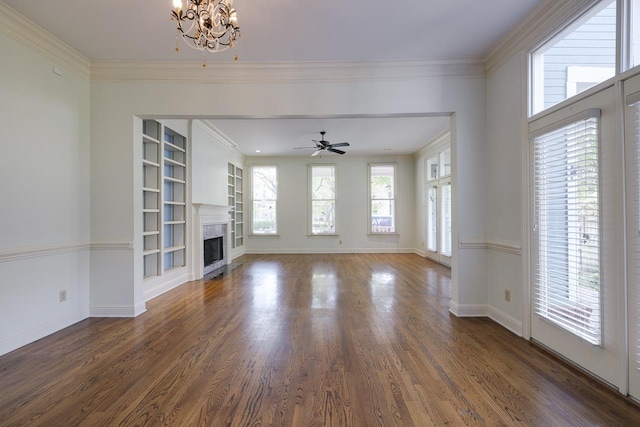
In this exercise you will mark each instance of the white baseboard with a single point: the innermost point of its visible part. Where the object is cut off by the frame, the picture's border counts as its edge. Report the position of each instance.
(422, 253)
(304, 251)
(237, 252)
(469, 310)
(161, 288)
(117, 311)
(508, 322)
(27, 337)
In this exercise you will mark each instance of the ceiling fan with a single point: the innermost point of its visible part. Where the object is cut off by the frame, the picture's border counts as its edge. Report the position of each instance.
(323, 145)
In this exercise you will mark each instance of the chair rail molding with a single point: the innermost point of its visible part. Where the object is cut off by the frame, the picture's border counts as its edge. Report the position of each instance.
(505, 246)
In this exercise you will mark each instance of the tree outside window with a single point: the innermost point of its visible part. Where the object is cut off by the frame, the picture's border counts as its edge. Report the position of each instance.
(382, 198)
(264, 195)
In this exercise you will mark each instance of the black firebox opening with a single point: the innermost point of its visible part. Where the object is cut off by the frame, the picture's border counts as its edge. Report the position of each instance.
(213, 250)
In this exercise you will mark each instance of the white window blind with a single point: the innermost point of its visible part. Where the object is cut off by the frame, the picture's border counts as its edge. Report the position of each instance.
(566, 258)
(445, 233)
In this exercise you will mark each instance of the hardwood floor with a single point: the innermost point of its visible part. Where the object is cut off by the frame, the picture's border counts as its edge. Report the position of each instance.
(301, 340)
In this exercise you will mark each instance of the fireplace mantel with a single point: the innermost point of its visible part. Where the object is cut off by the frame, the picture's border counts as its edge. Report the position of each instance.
(205, 214)
(203, 209)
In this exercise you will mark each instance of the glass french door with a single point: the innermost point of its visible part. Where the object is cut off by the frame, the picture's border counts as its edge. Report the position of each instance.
(575, 277)
(439, 244)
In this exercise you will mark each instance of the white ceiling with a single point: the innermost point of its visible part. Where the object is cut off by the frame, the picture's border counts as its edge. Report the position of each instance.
(366, 135)
(295, 31)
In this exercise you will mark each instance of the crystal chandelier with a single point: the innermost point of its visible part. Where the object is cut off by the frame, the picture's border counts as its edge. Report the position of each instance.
(206, 25)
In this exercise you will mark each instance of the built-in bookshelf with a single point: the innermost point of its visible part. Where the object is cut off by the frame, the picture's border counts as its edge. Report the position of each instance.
(234, 184)
(151, 131)
(164, 198)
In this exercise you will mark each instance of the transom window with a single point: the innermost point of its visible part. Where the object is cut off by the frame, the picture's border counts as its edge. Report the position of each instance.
(577, 59)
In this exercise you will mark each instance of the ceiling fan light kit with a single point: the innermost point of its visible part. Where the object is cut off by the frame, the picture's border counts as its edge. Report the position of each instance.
(323, 145)
(206, 25)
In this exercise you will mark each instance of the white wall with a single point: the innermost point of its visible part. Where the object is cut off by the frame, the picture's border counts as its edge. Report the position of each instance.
(209, 160)
(114, 104)
(44, 226)
(351, 213)
(505, 120)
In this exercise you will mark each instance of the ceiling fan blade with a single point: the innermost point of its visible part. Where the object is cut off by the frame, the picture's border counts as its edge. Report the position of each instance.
(316, 153)
(335, 151)
(340, 144)
(303, 148)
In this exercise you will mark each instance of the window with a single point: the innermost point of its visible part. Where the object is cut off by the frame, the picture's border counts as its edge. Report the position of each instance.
(577, 59)
(432, 168)
(566, 257)
(432, 219)
(382, 193)
(445, 163)
(439, 220)
(323, 199)
(264, 194)
(445, 222)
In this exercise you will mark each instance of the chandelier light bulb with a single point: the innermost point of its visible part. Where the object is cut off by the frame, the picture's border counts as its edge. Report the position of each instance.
(206, 25)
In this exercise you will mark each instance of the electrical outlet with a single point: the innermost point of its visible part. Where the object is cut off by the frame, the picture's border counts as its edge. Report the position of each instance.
(340, 241)
(507, 295)
(63, 295)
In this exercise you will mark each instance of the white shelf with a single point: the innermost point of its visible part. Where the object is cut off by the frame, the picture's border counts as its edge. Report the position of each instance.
(150, 163)
(174, 162)
(147, 138)
(164, 154)
(173, 249)
(173, 147)
(171, 179)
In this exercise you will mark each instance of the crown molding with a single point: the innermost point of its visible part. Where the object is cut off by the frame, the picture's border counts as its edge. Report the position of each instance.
(544, 22)
(218, 136)
(435, 144)
(24, 31)
(284, 72)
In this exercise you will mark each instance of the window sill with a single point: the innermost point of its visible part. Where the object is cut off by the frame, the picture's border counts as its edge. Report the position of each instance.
(251, 236)
(383, 234)
(324, 235)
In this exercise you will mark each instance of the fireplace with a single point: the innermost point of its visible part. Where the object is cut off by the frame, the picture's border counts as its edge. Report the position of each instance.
(211, 245)
(214, 240)
(213, 251)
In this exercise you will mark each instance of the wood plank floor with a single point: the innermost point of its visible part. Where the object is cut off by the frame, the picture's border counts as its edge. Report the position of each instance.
(301, 340)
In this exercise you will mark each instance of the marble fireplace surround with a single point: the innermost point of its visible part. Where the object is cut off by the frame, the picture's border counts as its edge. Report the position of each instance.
(210, 221)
